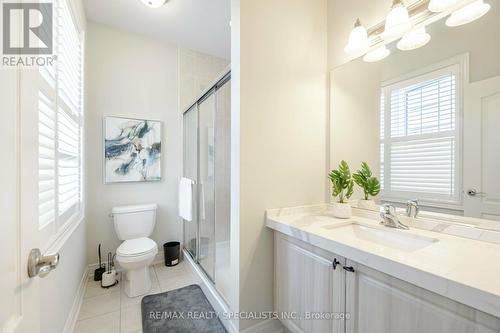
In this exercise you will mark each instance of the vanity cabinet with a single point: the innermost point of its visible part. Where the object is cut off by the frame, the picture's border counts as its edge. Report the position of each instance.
(307, 286)
(379, 303)
(374, 302)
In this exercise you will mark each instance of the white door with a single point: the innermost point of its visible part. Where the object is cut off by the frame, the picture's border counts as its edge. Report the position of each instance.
(19, 301)
(309, 290)
(482, 149)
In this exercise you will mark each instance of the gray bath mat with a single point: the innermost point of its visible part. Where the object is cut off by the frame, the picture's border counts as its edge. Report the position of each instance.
(184, 310)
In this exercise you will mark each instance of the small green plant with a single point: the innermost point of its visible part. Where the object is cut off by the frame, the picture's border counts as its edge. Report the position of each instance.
(365, 180)
(342, 184)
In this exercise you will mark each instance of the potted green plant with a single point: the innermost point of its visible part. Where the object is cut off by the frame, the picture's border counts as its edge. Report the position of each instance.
(342, 187)
(370, 185)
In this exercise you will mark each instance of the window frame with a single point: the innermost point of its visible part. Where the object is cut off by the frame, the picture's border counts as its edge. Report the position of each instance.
(457, 65)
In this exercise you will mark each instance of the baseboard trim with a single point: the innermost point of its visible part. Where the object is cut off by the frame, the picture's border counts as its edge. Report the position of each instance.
(266, 326)
(69, 326)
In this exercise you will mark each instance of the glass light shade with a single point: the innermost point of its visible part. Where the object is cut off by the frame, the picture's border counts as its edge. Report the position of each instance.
(438, 6)
(397, 22)
(467, 14)
(154, 3)
(358, 40)
(414, 39)
(377, 54)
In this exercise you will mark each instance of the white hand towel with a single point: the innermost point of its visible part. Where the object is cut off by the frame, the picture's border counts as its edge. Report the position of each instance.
(186, 199)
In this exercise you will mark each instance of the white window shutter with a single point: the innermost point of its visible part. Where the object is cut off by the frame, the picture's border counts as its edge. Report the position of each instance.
(419, 138)
(69, 118)
(60, 126)
(46, 157)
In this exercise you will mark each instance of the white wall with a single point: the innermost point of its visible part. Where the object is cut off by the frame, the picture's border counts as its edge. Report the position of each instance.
(283, 123)
(130, 75)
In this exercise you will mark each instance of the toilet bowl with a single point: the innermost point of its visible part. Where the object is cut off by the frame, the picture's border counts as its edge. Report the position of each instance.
(135, 256)
(136, 253)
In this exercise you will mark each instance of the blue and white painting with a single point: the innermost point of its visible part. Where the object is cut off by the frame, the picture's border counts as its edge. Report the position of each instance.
(132, 149)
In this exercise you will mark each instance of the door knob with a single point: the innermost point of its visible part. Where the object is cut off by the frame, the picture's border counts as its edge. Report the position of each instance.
(474, 192)
(41, 265)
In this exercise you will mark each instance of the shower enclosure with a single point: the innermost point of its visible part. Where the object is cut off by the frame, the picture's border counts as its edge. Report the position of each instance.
(206, 161)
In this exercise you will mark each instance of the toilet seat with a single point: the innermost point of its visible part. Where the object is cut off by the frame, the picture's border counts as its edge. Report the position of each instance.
(136, 247)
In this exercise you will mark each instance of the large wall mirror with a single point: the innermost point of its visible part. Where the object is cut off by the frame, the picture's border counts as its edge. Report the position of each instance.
(427, 121)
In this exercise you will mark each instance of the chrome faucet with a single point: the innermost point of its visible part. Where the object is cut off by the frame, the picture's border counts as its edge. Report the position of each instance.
(390, 218)
(412, 208)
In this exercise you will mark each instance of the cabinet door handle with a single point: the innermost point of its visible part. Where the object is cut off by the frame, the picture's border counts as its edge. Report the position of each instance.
(349, 269)
(335, 263)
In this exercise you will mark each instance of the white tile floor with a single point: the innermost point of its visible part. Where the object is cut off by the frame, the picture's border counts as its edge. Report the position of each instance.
(111, 311)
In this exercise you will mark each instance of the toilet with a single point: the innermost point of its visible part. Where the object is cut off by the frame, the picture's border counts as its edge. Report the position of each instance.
(133, 225)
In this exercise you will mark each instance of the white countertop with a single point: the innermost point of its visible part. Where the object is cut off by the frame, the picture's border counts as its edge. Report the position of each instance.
(462, 269)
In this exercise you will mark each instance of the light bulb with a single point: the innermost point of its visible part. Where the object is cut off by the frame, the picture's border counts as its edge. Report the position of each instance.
(467, 14)
(438, 6)
(377, 54)
(398, 21)
(414, 39)
(358, 40)
(154, 3)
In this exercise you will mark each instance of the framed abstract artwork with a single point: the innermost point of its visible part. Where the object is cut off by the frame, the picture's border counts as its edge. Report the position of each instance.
(132, 150)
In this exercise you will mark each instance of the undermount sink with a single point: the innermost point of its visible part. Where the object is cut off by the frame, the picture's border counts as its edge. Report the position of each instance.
(397, 239)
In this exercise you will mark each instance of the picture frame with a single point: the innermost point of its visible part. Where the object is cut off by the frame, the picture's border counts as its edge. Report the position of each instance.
(131, 150)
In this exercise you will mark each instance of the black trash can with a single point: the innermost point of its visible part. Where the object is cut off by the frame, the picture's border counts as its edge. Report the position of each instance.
(171, 252)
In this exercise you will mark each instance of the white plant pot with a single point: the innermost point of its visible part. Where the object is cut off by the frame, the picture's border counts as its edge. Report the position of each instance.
(341, 210)
(366, 204)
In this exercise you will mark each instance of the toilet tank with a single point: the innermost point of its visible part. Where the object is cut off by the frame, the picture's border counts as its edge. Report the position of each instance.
(134, 221)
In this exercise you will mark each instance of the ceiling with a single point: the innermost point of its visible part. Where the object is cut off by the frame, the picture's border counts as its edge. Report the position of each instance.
(200, 25)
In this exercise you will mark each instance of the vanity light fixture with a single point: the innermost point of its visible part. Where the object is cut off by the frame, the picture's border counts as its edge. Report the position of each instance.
(409, 23)
(154, 3)
(398, 21)
(467, 14)
(358, 40)
(377, 54)
(414, 39)
(438, 6)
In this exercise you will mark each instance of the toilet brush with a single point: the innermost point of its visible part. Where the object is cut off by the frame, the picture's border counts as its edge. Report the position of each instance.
(109, 277)
(100, 270)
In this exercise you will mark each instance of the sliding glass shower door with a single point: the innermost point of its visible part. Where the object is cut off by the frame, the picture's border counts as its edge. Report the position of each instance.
(206, 160)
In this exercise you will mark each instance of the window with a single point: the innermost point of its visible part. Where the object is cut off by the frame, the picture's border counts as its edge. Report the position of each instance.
(60, 128)
(420, 138)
